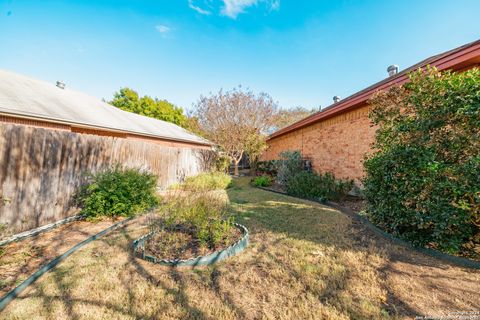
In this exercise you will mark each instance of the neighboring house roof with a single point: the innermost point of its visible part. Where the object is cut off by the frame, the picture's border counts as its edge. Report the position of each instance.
(21, 96)
(457, 59)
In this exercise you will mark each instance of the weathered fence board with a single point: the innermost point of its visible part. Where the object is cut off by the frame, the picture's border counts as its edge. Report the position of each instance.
(41, 169)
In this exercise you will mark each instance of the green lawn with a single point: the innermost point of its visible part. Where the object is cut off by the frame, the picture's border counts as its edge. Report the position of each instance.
(305, 261)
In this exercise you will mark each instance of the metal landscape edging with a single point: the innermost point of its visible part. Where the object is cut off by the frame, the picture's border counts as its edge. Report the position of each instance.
(39, 230)
(12, 294)
(208, 259)
(459, 261)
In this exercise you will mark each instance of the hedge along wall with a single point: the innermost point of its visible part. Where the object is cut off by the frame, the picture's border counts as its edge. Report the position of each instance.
(40, 169)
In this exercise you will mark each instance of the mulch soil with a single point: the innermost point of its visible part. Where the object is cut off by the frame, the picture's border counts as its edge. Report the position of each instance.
(181, 243)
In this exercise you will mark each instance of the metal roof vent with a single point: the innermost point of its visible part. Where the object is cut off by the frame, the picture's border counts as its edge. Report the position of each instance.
(392, 70)
(336, 99)
(61, 84)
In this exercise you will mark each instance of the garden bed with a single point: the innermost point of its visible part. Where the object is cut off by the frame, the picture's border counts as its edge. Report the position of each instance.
(177, 243)
(353, 203)
(180, 243)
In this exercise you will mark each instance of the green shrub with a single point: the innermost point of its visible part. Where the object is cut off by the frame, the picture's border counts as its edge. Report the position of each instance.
(423, 181)
(319, 187)
(222, 163)
(205, 215)
(262, 181)
(289, 164)
(266, 167)
(118, 192)
(206, 181)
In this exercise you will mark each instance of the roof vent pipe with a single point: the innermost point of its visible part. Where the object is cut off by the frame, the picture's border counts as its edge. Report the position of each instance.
(392, 70)
(336, 99)
(61, 84)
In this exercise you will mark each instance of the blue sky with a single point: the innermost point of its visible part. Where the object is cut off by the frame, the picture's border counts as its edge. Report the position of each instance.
(300, 52)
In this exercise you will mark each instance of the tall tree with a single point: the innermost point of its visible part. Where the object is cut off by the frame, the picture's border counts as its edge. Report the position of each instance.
(286, 117)
(236, 120)
(129, 100)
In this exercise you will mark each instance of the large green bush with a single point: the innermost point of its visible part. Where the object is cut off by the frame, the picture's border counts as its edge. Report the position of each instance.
(423, 180)
(321, 187)
(266, 167)
(290, 163)
(118, 192)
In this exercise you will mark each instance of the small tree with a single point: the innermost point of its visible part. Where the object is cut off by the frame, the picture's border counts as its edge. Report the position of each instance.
(255, 146)
(237, 121)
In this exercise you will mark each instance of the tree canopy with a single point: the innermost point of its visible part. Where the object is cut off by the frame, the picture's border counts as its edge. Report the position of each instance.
(285, 117)
(237, 121)
(129, 100)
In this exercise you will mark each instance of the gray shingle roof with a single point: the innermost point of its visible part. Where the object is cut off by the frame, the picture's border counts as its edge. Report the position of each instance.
(23, 96)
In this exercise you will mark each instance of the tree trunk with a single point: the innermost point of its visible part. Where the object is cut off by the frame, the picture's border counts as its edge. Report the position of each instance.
(236, 161)
(235, 172)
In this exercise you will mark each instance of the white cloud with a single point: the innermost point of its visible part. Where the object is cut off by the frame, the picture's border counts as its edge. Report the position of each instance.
(198, 9)
(232, 8)
(275, 5)
(163, 29)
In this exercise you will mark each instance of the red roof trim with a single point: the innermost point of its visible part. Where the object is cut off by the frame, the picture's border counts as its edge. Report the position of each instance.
(446, 60)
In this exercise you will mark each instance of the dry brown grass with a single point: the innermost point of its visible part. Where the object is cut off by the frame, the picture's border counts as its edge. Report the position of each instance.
(20, 259)
(305, 261)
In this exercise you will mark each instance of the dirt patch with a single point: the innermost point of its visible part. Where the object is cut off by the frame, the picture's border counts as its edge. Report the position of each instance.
(181, 243)
(19, 260)
(276, 187)
(353, 203)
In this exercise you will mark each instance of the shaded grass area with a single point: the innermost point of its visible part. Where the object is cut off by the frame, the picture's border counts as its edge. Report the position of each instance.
(20, 259)
(305, 261)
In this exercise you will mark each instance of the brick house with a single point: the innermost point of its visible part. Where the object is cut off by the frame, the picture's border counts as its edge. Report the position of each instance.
(337, 138)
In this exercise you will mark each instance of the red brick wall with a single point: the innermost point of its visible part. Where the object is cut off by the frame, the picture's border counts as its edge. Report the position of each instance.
(337, 144)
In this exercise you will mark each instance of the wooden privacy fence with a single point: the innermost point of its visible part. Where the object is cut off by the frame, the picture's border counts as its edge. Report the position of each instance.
(41, 169)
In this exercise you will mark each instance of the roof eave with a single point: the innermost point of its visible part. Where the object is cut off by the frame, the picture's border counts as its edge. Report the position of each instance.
(441, 61)
(94, 127)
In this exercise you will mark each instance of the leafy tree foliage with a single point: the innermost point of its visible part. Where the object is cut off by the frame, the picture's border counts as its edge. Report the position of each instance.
(129, 100)
(423, 180)
(286, 117)
(237, 121)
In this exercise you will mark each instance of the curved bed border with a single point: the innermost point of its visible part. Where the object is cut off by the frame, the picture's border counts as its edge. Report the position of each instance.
(214, 257)
(458, 261)
(12, 294)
